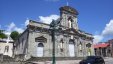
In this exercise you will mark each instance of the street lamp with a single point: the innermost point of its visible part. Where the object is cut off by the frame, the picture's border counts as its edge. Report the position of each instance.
(53, 29)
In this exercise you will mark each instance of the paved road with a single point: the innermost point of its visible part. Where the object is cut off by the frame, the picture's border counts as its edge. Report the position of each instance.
(108, 60)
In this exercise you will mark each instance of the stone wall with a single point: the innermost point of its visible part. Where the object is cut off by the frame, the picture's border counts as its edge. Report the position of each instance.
(12, 62)
(39, 60)
(5, 59)
(4, 46)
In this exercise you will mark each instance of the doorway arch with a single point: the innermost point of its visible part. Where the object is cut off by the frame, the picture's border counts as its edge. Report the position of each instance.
(40, 50)
(40, 46)
(71, 48)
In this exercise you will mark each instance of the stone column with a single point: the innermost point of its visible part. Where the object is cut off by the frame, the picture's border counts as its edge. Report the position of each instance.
(101, 52)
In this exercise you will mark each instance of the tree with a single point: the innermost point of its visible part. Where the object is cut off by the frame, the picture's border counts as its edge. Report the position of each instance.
(2, 35)
(14, 35)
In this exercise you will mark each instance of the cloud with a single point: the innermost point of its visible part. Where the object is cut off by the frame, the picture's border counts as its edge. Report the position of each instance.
(107, 32)
(52, 0)
(7, 33)
(12, 27)
(20, 30)
(108, 29)
(97, 38)
(26, 22)
(0, 26)
(48, 19)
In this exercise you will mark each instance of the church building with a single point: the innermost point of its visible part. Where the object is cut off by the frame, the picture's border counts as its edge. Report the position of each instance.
(70, 41)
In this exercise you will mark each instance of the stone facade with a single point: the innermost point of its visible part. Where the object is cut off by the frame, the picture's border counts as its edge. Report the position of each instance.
(6, 47)
(70, 41)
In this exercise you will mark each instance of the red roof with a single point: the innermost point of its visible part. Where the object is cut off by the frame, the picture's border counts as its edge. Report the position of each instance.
(103, 45)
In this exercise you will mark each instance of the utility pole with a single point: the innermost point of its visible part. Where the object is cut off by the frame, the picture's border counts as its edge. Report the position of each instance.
(53, 40)
(53, 28)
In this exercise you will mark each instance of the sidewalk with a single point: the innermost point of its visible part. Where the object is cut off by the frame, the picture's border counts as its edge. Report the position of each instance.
(64, 62)
(60, 62)
(108, 59)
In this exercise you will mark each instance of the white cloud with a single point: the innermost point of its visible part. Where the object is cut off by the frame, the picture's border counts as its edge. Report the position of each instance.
(26, 22)
(12, 27)
(7, 33)
(0, 26)
(48, 19)
(108, 29)
(20, 30)
(97, 39)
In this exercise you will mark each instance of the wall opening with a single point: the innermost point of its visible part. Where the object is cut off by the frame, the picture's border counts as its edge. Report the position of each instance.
(71, 48)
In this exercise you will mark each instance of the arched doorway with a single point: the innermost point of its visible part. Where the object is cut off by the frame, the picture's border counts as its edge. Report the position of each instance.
(40, 45)
(71, 48)
(40, 50)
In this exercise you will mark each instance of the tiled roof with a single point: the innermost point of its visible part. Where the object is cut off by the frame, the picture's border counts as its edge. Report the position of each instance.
(103, 45)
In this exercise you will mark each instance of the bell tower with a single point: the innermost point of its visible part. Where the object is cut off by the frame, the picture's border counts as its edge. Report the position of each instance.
(68, 17)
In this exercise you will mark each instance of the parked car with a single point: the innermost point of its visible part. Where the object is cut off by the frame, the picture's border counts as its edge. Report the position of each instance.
(92, 60)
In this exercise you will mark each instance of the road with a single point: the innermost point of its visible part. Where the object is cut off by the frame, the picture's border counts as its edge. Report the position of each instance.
(108, 60)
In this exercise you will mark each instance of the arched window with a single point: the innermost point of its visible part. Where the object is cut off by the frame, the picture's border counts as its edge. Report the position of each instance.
(71, 48)
(70, 22)
(61, 45)
(80, 47)
(40, 50)
(6, 49)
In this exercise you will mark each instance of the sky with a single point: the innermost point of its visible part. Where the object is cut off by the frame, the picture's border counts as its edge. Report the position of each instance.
(95, 16)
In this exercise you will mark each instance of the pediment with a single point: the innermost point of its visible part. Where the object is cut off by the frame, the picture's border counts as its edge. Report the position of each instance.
(71, 30)
(40, 39)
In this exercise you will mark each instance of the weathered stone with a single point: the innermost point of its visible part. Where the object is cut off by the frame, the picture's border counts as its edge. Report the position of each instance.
(70, 41)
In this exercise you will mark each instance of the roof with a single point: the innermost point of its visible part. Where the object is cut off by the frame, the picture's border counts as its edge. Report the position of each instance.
(69, 9)
(103, 45)
(38, 22)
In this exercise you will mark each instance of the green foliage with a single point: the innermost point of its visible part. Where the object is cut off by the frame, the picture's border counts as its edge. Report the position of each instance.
(2, 35)
(14, 35)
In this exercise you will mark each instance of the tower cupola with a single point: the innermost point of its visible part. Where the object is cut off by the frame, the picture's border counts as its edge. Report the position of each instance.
(68, 17)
